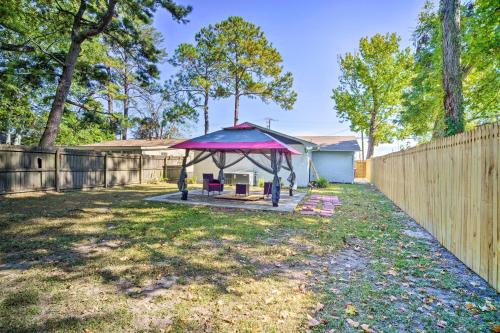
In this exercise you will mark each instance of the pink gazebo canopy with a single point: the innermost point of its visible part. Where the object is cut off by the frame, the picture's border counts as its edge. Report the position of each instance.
(241, 137)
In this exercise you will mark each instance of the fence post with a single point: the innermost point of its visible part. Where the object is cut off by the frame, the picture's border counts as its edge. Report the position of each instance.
(165, 168)
(105, 170)
(57, 167)
(140, 169)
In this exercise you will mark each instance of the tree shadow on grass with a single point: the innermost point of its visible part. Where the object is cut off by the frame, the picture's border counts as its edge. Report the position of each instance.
(65, 324)
(160, 244)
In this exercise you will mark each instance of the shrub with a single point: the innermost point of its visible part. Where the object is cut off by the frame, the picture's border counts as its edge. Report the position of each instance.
(321, 182)
(191, 180)
(261, 182)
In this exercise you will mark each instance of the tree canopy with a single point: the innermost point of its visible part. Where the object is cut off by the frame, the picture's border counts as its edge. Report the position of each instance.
(371, 87)
(232, 58)
(59, 57)
(199, 75)
(424, 112)
(412, 102)
(252, 67)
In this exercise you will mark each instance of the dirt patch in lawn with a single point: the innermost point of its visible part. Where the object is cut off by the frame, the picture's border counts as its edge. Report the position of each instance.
(95, 247)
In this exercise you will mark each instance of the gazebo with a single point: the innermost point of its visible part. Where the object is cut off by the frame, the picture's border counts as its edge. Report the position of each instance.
(245, 140)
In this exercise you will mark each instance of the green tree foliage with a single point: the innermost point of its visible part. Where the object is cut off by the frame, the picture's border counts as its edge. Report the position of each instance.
(161, 115)
(372, 83)
(200, 70)
(88, 128)
(135, 68)
(481, 62)
(424, 112)
(252, 66)
(60, 50)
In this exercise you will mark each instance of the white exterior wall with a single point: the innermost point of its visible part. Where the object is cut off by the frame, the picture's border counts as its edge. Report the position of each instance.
(336, 166)
(300, 164)
(164, 152)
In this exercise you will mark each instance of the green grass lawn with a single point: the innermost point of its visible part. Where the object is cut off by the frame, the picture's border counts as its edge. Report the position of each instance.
(105, 261)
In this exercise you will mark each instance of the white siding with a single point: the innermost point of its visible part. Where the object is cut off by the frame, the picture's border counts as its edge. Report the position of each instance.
(300, 165)
(336, 166)
(163, 151)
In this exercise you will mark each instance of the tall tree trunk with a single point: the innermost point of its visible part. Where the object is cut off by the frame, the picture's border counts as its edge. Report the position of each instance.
(371, 136)
(8, 134)
(236, 109)
(236, 102)
(362, 146)
(50, 133)
(205, 111)
(110, 104)
(77, 38)
(452, 76)
(371, 146)
(125, 105)
(109, 95)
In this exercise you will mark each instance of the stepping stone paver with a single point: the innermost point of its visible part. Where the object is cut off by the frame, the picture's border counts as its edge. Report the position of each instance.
(326, 203)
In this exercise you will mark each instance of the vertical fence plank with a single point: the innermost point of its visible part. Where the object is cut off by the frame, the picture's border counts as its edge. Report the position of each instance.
(140, 169)
(56, 173)
(105, 164)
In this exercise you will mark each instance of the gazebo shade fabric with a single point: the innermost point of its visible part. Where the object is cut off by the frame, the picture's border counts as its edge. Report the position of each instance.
(236, 138)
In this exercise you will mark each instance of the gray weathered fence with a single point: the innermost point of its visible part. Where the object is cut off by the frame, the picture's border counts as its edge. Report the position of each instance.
(25, 169)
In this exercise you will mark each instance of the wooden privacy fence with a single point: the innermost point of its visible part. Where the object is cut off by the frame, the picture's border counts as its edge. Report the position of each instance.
(33, 169)
(359, 169)
(451, 187)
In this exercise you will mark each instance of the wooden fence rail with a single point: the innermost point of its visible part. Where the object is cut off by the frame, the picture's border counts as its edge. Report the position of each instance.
(33, 169)
(451, 187)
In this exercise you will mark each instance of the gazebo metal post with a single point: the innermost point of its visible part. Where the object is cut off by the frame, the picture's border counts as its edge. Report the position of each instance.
(182, 176)
(291, 178)
(276, 160)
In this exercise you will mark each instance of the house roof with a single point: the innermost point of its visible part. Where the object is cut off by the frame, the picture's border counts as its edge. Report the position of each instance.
(334, 143)
(136, 143)
(285, 138)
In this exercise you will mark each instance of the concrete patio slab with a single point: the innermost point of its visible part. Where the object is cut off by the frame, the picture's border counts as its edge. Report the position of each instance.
(287, 204)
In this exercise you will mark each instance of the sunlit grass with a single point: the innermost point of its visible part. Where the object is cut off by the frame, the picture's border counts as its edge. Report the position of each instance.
(110, 261)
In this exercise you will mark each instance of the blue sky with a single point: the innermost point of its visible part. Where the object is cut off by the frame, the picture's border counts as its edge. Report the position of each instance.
(309, 35)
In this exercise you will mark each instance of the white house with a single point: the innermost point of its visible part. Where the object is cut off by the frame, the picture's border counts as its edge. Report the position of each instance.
(331, 156)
